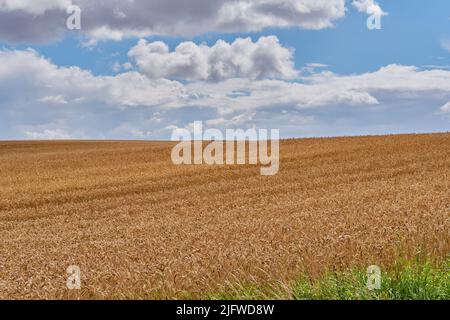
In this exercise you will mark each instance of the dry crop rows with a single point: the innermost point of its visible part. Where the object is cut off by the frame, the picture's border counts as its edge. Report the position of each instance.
(140, 227)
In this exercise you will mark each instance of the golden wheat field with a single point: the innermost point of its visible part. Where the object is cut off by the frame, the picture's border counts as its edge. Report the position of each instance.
(140, 227)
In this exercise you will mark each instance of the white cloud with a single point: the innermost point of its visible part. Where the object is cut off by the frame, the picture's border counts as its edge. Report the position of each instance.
(37, 77)
(316, 65)
(25, 75)
(371, 7)
(96, 102)
(446, 108)
(265, 58)
(127, 66)
(179, 17)
(253, 15)
(252, 119)
(117, 67)
(43, 20)
(310, 68)
(48, 134)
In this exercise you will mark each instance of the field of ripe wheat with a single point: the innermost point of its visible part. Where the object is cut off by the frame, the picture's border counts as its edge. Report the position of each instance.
(140, 227)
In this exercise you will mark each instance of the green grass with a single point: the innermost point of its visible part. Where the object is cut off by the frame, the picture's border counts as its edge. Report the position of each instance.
(405, 281)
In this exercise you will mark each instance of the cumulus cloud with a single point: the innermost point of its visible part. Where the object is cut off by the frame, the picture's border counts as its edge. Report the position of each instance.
(255, 15)
(371, 7)
(35, 91)
(39, 77)
(43, 20)
(41, 80)
(265, 58)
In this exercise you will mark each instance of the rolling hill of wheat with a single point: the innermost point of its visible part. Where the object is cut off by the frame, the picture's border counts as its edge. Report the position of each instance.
(140, 227)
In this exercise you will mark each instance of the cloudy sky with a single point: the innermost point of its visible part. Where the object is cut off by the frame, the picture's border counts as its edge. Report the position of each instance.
(138, 69)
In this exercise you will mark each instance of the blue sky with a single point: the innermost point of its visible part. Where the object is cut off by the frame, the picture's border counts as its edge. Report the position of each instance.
(331, 76)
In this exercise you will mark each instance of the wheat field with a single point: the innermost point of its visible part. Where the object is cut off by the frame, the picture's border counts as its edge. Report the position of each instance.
(140, 227)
